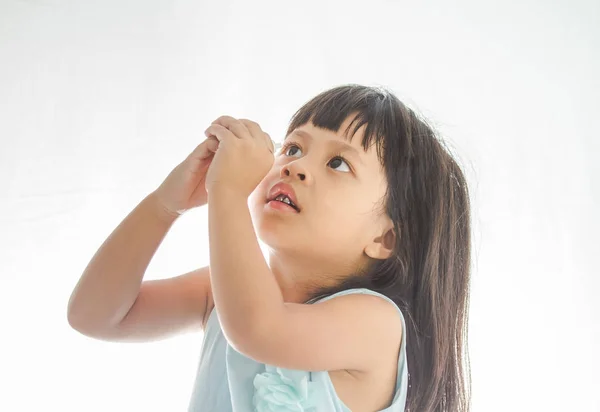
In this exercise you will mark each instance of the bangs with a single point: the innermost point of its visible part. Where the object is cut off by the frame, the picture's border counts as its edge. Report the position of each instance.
(367, 105)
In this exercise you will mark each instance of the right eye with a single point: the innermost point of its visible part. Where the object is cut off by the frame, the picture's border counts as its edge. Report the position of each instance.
(336, 157)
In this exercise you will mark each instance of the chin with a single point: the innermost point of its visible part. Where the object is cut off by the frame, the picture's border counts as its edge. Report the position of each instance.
(274, 233)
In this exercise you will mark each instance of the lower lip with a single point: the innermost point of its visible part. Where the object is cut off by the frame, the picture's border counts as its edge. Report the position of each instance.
(274, 204)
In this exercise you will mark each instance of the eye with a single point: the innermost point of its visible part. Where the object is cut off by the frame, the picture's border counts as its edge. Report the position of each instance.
(338, 156)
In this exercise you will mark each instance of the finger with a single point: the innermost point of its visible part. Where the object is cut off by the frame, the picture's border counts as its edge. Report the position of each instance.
(219, 132)
(270, 143)
(212, 143)
(205, 149)
(237, 128)
(257, 131)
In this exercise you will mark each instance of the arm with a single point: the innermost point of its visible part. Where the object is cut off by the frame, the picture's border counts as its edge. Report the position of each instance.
(259, 324)
(111, 283)
(243, 286)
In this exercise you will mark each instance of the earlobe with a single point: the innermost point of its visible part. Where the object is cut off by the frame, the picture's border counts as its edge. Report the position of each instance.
(382, 247)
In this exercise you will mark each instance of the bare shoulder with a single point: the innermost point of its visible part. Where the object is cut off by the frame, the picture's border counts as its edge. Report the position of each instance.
(380, 319)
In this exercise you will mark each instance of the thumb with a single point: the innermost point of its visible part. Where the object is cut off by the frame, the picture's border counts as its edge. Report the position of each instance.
(212, 145)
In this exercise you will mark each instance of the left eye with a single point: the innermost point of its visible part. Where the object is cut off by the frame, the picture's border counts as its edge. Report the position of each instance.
(336, 157)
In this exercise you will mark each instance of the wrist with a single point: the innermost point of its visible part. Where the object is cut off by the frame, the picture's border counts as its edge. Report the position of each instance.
(223, 192)
(160, 210)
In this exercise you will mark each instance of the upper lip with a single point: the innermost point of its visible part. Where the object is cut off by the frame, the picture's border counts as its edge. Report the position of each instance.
(283, 189)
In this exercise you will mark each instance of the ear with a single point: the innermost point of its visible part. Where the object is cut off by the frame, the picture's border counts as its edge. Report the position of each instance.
(382, 246)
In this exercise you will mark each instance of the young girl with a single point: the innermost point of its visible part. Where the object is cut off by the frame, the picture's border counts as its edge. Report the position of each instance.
(363, 303)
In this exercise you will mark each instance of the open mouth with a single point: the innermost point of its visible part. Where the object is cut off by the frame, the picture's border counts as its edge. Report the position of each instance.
(286, 201)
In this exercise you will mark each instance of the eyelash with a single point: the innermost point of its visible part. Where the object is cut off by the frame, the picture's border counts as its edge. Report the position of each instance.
(336, 156)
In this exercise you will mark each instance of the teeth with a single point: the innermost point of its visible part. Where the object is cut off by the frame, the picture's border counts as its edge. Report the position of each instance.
(285, 199)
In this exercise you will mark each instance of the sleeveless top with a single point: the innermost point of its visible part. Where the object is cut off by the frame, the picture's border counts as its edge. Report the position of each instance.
(228, 381)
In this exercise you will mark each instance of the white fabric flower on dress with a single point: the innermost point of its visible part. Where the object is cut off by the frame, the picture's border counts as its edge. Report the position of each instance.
(283, 390)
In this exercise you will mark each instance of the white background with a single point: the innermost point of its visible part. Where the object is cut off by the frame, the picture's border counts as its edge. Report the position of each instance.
(100, 100)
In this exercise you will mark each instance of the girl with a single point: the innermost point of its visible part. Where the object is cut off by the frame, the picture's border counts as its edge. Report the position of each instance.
(363, 302)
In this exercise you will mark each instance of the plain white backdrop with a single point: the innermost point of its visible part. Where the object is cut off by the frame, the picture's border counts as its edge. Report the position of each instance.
(100, 100)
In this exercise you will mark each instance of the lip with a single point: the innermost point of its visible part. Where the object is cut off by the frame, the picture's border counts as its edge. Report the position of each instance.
(281, 207)
(284, 189)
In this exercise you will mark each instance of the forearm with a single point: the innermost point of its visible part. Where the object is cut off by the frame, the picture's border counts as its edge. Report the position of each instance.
(111, 282)
(244, 288)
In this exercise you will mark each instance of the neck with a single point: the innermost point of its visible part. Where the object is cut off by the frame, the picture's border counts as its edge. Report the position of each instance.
(297, 281)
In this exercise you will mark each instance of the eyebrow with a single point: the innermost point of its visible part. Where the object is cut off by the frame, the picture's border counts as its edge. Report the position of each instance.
(344, 146)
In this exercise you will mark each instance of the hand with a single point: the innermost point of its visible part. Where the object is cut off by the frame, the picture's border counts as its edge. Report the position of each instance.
(243, 158)
(185, 187)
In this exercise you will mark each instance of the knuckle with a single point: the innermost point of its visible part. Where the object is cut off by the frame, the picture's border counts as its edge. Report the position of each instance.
(248, 121)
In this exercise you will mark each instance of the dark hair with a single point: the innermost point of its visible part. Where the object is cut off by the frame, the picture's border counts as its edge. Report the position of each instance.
(428, 274)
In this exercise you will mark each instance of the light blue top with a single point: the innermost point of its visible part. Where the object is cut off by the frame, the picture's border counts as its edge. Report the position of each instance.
(228, 381)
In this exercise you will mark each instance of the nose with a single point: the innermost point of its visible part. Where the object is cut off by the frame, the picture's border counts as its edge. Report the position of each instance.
(287, 172)
(293, 169)
(290, 168)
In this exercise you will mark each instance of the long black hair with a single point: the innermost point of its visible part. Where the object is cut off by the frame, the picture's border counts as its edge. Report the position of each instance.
(428, 274)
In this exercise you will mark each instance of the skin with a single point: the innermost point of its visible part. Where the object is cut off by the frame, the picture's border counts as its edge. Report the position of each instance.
(339, 227)
(355, 337)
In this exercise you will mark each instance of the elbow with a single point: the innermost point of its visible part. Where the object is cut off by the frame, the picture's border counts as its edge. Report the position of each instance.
(86, 328)
(253, 338)
(74, 313)
(72, 317)
(76, 318)
(241, 336)
(77, 322)
(251, 345)
(84, 324)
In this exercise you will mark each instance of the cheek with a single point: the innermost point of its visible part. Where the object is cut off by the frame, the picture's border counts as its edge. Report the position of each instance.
(343, 219)
(257, 198)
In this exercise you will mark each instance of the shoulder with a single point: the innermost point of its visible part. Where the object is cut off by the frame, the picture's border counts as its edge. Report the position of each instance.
(376, 313)
(367, 302)
(374, 316)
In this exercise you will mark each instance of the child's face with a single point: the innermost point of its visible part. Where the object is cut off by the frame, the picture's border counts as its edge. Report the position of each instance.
(338, 201)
